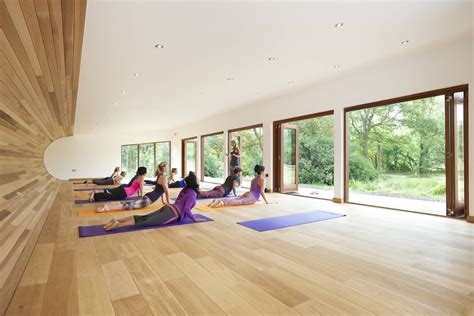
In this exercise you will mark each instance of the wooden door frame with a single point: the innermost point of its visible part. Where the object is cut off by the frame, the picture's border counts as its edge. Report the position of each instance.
(202, 152)
(183, 155)
(461, 88)
(277, 174)
(281, 154)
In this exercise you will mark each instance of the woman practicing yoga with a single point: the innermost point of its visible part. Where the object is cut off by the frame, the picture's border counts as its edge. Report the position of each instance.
(257, 189)
(230, 184)
(161, 187)
(172, 182)
(107, 180)
(120, 193)
(234, 156)
(168, 213)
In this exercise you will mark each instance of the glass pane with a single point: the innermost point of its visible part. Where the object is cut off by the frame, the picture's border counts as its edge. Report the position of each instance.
(459, 145)
(397, 155)
(129, 157)
(214, 158)
(162, 152)
(316, 157)
(190, 156)
(147, 158)
(251, 142)
(289, 156)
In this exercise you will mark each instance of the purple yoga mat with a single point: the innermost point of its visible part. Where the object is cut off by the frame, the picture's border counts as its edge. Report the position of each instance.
(98, 230)
(225, 197)
(272, 223)
(130, 198)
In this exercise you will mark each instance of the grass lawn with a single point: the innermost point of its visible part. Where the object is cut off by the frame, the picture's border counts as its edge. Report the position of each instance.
(410, 186)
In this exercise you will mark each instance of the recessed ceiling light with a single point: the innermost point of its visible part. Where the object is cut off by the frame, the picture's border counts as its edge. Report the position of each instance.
(115, 103)
(291, 82)
(159, 46)
(108, 111)
(230, 79)
(136, 74)
(123, 91)
(339, 25)
(271, 58)
(337, 66)
(202, 92)
(405, 42)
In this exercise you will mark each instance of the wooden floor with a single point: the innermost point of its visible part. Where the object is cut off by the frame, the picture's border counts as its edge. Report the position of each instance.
(370, 262)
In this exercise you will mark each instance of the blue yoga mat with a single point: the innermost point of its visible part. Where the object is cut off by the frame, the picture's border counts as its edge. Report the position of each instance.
(130, 198)
(98, 230)
(272, 223)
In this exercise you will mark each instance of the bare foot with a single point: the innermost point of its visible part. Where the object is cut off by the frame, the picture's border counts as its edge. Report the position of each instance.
(91, 198)
(109, 223)
(115, 225)
(102, 209)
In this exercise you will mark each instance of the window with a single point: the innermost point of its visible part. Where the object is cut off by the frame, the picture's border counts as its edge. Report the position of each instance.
(189, 155)
(213, 158)
(129, 158)
(408, 153)
(249, 140)
(144, 155)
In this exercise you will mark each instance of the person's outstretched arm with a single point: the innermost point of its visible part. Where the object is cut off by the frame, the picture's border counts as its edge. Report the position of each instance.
(165, 189)
(261, 184)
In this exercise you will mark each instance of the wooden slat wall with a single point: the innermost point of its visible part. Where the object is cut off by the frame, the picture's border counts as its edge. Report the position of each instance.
(40, 52)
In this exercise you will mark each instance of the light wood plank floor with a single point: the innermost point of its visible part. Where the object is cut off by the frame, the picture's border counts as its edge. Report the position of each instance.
(372, 261)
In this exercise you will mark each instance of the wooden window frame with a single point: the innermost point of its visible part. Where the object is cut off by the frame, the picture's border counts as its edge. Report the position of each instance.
(450, 90)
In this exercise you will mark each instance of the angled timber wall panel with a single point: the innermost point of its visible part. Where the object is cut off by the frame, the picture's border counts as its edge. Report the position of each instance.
(40, 50)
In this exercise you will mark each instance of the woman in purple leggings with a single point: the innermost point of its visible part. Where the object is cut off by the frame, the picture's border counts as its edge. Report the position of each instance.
(224, 189)
(257, 189)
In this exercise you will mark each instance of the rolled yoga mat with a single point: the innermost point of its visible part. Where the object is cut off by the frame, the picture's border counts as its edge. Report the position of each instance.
(272, 223)
(98, 230)
(130, 198)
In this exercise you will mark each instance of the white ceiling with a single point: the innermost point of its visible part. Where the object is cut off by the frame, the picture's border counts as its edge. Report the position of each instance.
(205, 43)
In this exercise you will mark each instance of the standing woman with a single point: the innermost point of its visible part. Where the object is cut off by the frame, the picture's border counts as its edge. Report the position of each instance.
(257, 189)
(234, 156)
(175, 212)
(121, 193)
(161, 187)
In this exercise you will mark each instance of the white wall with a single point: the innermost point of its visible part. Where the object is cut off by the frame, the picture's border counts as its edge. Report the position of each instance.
(435, 67)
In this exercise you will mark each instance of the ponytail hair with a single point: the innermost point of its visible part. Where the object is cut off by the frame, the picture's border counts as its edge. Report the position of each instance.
(259, 169)
(159, 168)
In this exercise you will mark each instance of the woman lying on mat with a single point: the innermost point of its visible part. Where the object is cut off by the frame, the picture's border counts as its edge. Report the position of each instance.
(116, 180)
(161, 187)
(107, 180)
(172, 182)
(120, 193)
(181, 208)
(257, 189)
(230, 184)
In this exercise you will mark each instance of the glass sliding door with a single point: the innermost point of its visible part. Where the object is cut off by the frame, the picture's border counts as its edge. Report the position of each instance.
(250, 142)
(304, 155)
(189, 155)
(213, 158)
(409, 153)
(146, 158)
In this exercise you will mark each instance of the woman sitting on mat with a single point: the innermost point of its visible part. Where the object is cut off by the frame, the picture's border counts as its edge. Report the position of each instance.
(175, 212)
(257, 189)
(172, 183)
(161, 187)
(229, 185)
(120, 193)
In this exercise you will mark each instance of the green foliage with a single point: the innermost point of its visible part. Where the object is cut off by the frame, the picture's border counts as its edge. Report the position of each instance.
(361, 169)
(316, 151)
(214, 156)
(251, 142)
(129, 158)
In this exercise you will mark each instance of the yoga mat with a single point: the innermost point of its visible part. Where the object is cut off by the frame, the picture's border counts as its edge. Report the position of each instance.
(204, 207)
(90, 211)
(130, 198)
(93, 187)
(225, 197)
(272, 223)
(98, 230)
